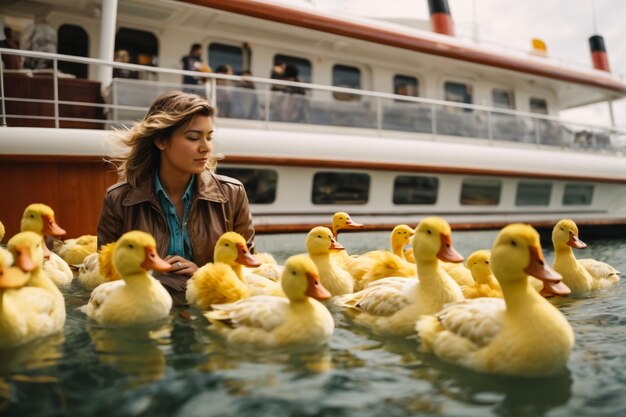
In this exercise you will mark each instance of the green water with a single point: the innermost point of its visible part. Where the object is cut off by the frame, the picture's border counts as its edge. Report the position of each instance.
(181, 369)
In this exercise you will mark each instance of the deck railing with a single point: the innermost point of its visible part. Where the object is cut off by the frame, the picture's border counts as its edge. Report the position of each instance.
(52, 98)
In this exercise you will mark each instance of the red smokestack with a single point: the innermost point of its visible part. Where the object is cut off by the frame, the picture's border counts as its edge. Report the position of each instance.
(440, 18)
(598, 53)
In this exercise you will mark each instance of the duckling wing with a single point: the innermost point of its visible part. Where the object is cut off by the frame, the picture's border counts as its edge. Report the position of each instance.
(100, 295)
(600, 270)
(478, 320)
(381, 298)
(262, 312)
(260, 285)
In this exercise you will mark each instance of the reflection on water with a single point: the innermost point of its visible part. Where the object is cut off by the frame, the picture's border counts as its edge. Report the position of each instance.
(179, 368)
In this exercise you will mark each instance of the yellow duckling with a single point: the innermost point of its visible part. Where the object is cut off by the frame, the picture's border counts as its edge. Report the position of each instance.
(74, 251)
(378, 264)
(319, 244)
(576, 274)
(39, 218)
(98, 268)
(31, 306)
(521, 335)
(391, 306)
(269, 321)
(2, 231)
(138, 298)
(223, 281)
(8, 258)
(485, 284)
(342, 221)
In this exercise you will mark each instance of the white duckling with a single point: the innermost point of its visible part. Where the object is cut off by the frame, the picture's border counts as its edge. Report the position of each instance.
(74, 251)
(485, 283)
(97, 268)
(523, 334)
(577, 274)
(138, 298)
(31, 306)
(391, 306)
(39, 218)
(377, 264)
(269, 321)
(319, 244)
(224, 281)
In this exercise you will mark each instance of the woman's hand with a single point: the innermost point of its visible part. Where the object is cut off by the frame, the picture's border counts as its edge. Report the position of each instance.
(181, 266)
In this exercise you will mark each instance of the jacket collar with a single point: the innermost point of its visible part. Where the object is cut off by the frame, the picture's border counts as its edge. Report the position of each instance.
(207, 188)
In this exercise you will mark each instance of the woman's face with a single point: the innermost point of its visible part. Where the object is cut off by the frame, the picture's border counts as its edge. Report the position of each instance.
(187, 152)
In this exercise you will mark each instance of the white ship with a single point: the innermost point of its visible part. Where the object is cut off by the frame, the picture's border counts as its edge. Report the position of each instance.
(387, 122)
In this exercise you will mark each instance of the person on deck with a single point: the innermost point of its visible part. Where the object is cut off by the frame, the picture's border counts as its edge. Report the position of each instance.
(168, 188)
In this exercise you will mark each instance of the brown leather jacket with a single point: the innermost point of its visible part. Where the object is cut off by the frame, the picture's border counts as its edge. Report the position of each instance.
(220, 205)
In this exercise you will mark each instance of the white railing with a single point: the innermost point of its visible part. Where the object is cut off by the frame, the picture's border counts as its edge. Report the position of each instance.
(276, 101)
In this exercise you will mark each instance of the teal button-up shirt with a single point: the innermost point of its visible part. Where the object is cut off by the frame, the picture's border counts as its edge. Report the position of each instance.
(179, 235)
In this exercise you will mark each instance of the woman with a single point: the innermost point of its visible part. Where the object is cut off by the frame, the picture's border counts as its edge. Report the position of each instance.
(169, 188)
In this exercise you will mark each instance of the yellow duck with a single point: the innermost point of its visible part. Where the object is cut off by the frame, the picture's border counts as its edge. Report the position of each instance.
(377, 264)
(320, 243)
(3, 252)
(342, 221)
(485, 284)
(74, 251)
(391, 306)
(580, 275)
(39, 218)
(523, 334)
(31, 306)
(223, 281)
(138, 298)
(97, 268)
(269, 321)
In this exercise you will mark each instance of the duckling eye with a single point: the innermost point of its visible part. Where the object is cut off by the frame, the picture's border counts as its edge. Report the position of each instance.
(131, 246)
(293, 272)
(562, 230)
(226, 244)
(487, 262)
(429, 232)
(32, 216)
(513, 243)
(319, 236)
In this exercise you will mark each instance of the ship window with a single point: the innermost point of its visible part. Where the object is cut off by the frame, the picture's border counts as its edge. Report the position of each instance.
(502, 99)
(346, 76)
(533, 193)
(220, 54)
(481, 192)
(415, 190)
(538, 105)
(578, 195)
(340, 188)
(260, 184)
(73, 40)
(142, 46)
(405, 85)
(303, 65)
(458, 92)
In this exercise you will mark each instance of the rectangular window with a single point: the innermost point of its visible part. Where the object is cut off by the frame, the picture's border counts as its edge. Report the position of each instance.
(415, 190)
(405, 85)
(458, 92)
(538, 105)
(481, 192)
(340, 188)
(303, 66)
(222, 55)
(346, 76)
(531, 193)
(502, 99)
(260, 184)
(578, 195)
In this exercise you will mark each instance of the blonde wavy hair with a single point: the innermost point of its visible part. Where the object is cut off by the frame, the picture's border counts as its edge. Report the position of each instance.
(137, 157)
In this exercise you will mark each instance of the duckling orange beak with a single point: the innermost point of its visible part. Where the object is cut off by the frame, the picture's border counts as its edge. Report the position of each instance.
(334, 245)
(12, 277)
(351, 225)
(245, 258)
(50, 227)
(315, 289)
(574, 242)
(152, 260)
(24, 259)
(447, 253)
